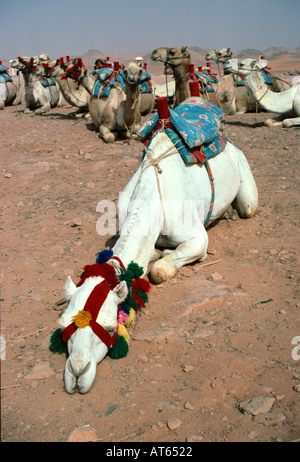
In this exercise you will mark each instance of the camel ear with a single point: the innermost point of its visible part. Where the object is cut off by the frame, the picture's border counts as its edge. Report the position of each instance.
(185, 51)
(120, 292)
(69, 288)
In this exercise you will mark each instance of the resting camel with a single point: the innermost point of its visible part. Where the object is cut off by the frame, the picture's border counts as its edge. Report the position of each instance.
(226, 95)
(221, 56)
(37, 97)
(74, 93)
(10, 93)
(286, 103)
(120, 111)
(149, 217)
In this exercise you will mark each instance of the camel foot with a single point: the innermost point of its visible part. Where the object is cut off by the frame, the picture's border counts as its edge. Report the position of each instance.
(109, 138)
(161, 272)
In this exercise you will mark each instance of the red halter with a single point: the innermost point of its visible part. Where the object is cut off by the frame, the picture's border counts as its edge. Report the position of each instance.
(93, 305)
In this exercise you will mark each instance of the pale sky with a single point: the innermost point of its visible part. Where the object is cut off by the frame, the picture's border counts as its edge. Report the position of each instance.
(72, 27)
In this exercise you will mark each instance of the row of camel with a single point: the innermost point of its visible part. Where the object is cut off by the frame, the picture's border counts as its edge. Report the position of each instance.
(121, 112)
(208, 189)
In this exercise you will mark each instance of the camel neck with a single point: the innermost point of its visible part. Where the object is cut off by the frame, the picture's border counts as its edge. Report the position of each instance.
(131, 104)
(269, 100)
(88, 82)
(181, 92)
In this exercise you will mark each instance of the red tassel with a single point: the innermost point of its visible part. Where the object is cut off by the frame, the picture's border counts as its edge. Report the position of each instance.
(141, 284)
(140, 302)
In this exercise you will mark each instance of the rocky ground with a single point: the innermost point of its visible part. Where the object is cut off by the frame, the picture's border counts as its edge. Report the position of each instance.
(211, 358)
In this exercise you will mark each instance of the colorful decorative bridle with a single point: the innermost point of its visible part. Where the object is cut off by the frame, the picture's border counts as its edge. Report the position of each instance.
(138, 288)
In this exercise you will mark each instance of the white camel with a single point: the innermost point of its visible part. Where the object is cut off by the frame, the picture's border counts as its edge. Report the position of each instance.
(37, 97)
(120, 111)
(151, 211)
(286, 103)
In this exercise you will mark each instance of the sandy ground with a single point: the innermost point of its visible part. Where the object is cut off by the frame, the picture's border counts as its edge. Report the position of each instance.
(216, 335)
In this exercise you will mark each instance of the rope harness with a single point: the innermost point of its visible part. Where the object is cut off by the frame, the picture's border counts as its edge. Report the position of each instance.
(170, 151)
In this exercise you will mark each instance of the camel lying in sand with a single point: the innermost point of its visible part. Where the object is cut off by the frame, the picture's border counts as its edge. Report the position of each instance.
(39, 96)
(120, 111)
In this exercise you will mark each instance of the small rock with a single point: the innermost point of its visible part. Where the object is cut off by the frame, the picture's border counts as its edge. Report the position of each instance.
(188, 368)
(194, 439)
(165, 405)
(188, 405)
(174, 423)
(297, 388)
(7, 175)
(257, 405)
(83, 435)
(270, 418)
(216, 277)
(252, 435)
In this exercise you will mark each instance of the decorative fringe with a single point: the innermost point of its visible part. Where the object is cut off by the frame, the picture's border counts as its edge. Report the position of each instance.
(104, 256)
(131, 318)
(82, 319)
(120, 349)
(136, 298)
(56, 342)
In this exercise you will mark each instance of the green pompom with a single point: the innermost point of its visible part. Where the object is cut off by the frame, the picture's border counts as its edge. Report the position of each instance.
(56, 342)
(120, 349)
(133, 271)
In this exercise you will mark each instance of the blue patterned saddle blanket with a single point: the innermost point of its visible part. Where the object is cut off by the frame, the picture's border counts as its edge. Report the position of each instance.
(4, 77)
(47, 81)
(106, 79)
(195, 128)
(204, 80)
(145, 82)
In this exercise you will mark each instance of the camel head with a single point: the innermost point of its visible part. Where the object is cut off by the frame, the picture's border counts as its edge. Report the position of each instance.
(24, 64)
(133, 72)
(89, 326)
(219, 55)
(75, 69)
(244, 67)
(172, 57)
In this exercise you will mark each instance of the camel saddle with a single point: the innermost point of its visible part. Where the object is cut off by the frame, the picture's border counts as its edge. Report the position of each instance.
(194, 126)
(106, 79)
(4, 77)
(145, 82)
(47, 81)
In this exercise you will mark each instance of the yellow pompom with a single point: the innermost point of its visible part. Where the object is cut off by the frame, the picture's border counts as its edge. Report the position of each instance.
(82, 319)
(123, 332)
(131, 318)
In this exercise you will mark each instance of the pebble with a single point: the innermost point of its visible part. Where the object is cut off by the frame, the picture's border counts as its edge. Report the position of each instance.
(252, 435)
(194, 439)
(297, 387)
(257, 405)
(270, 418)
(83, 435)
(188, 405)
(188, 368)
(174, 423)
(216, 277)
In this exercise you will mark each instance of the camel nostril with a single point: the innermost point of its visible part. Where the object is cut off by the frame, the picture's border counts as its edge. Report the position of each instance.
(78, 367)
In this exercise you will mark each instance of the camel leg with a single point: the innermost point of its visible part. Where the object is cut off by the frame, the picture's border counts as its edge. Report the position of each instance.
(1, 104)
(287, 123)
(246, 201)
(106, 134)
(186, 252)
(45, 108)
